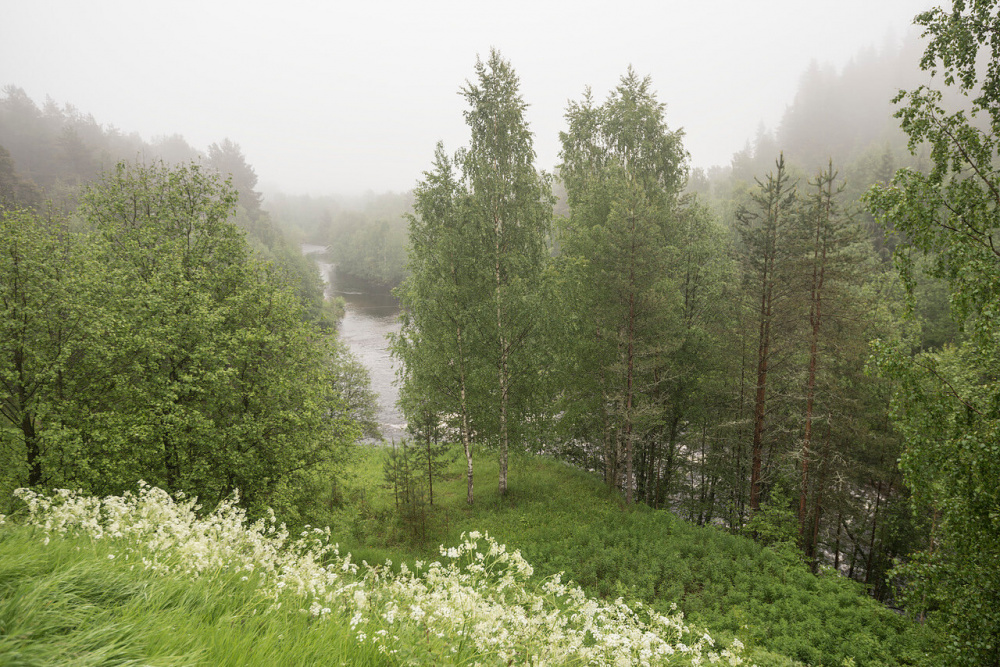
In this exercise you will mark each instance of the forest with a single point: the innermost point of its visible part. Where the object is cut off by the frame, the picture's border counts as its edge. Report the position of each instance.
(764, 394)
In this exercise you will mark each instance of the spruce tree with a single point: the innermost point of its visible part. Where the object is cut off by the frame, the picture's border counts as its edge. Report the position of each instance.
(623, 170)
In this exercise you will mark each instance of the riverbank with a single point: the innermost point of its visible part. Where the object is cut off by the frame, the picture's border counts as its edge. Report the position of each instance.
(371, 313)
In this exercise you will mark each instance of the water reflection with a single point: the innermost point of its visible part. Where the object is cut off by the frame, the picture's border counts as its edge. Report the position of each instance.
(371, 313)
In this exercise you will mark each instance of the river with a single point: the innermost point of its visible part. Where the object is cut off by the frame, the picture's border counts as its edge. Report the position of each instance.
(371, 313)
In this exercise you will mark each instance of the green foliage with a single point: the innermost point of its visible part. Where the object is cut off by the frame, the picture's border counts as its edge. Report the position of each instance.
(69, 603)
(366, 237)
(774, 525)
(14, 190)
(58, 149)
(769, 250)
(354, 386)
(472, 306)
(440, 306)
(509, 209)
(374, 250)
(228, 160)
(946, 403)
(403, 472)
(212, 371)
(565, 520)
(150, 344)
(45, 325)
(623, 169)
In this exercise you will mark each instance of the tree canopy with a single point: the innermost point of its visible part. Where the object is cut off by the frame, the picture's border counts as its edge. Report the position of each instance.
(150, 343)
(947, 403)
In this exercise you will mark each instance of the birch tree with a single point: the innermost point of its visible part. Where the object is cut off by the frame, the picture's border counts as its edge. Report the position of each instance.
(510, 209)
(946, 403)
(440, 307)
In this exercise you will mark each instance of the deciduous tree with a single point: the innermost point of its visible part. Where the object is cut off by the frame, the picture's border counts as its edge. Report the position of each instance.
(947, 405)
(510, 209)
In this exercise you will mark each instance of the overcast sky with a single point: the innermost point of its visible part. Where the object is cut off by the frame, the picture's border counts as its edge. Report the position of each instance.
(335, 97)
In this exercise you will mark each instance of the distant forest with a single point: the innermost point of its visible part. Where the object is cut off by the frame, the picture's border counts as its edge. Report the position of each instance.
(844, 114)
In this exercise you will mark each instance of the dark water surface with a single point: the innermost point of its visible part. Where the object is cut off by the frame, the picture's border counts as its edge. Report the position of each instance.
(372, 312)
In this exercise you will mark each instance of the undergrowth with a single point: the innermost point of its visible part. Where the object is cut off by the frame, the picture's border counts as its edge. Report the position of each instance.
(69, 603)
(566, 520)
(479, 603)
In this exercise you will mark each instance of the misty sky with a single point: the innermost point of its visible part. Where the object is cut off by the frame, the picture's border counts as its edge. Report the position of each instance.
(334, 97)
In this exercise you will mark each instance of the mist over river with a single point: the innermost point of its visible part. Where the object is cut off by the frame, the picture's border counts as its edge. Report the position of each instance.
(371, 313)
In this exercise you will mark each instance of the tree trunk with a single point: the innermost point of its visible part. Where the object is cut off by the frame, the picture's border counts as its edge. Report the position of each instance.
(630, 370)
(466, 439)
(871, 541)
(815, 319)
(760, 400)
(836, 546)
(430, 471)
(32, 450)
(738, 501)
(818, 503)
(497, 233)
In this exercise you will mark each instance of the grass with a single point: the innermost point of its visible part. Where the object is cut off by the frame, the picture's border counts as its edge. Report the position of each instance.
(566, 520)
(71, 603)
(478, 604)
(67, 603)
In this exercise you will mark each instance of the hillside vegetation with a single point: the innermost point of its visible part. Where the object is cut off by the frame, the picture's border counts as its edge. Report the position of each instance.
(564, 519)
(87, 569)
(115, 581)
(797, 354)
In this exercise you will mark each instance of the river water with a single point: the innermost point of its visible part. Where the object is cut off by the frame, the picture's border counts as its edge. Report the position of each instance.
(371, 313)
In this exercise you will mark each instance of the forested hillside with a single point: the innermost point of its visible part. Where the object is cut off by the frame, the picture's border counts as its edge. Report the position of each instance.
(365, 236)
(763, 393)
(758, 348)
(51, 154)
(156, 324)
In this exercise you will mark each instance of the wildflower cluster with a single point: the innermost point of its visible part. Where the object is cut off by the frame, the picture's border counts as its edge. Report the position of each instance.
(478, 604)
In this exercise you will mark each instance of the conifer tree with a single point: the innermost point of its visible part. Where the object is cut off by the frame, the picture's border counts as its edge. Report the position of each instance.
(833, 262)
(769, 254)
(623, 169)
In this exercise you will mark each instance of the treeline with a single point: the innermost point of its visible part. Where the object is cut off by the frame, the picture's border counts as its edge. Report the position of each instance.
(712, 366)
(366, 237)
(51, 153)
(713, 354)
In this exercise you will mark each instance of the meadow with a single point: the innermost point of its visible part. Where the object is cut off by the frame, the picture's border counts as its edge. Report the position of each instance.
(558, 571)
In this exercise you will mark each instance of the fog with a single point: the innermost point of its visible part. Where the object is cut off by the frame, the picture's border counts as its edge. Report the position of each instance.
(325, 97)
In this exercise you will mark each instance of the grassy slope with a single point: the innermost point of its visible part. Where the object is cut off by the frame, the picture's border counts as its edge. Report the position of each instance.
(564, 519)
(67, 604)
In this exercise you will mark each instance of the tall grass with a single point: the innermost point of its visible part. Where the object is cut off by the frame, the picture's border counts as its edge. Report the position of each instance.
(70, 603)
(479, 604)
(209, 589)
